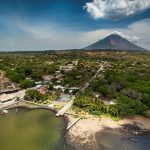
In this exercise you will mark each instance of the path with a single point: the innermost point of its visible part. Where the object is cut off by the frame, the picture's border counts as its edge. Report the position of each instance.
(88, 83)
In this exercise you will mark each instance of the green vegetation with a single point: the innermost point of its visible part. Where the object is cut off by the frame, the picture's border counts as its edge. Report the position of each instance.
(124, 106)
(53, 96)
(123, 86)
(89, 103)
(34, 95)
(26, 84)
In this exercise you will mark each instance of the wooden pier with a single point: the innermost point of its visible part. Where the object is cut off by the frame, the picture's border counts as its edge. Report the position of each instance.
(65, 108)
(70, 125)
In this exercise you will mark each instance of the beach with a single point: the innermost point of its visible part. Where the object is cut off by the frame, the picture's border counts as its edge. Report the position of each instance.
(83, 135)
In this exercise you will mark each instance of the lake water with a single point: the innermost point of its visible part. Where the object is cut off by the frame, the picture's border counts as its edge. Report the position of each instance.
(40, 129)
(36, 129)
(117, 141)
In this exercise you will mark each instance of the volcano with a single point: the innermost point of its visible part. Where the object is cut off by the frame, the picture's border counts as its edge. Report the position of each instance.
(114, 42)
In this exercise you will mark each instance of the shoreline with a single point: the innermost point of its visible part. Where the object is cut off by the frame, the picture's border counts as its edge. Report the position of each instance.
(32, 105)
(83, 135)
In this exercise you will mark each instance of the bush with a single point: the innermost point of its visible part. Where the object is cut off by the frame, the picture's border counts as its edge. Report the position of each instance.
(89, 103)
(129, 107)
(104, 90)
(26, 84)
(33, 95)
(15, 77)
(50, 86)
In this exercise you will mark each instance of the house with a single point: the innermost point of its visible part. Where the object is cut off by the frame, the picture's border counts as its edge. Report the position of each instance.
(73, 89)
(112, 103)
(57, 72)
(43, 90)
(57, 87)
(7, 97)
(147, 113)
(38, 87)
(9, 87)
(38, 83)
(67, 67)
(58, 76)
(75, 62)
(58, 81)
(48, 77)
(27, 78)
(97, 95)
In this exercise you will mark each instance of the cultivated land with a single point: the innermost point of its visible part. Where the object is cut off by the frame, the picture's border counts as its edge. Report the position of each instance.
(105, 88)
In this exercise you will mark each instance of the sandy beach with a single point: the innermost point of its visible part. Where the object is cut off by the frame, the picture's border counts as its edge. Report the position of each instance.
(83, 134)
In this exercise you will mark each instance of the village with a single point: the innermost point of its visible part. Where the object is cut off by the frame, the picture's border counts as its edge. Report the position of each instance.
(63, 81)
(13, 95)
(10, 91)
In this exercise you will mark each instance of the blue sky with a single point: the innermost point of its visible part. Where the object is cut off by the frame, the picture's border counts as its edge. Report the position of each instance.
(65, 24)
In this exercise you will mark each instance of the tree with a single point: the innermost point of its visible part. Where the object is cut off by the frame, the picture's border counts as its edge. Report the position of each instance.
(50, 86)
(26, 84)
(15, 76)
(33, 95)
(89, 103)
(66, 91)
(129, 107)
(36, 75)
(104, 90)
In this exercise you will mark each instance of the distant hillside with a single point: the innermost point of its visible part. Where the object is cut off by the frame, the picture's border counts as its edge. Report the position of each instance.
(114, 42)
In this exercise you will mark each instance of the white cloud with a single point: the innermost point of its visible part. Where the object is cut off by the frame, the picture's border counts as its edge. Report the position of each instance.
(115, 9)
(130, 38)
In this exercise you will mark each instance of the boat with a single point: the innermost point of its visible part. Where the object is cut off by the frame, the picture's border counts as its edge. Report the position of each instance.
(3, 112)
(134, 140)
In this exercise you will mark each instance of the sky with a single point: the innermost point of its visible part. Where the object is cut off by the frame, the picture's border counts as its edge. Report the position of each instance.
(71, 24)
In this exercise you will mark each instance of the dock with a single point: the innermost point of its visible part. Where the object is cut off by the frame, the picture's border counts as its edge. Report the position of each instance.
(65, 108)
(72, 124)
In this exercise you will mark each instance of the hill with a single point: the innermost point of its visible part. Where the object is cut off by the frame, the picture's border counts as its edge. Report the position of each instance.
(114, 42)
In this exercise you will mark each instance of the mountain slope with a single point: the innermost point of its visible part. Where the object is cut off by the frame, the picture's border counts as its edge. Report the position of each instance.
(114, 42)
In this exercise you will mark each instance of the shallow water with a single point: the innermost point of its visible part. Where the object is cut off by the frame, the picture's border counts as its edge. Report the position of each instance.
(117, 141)
(36, 129)
(40, 129)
